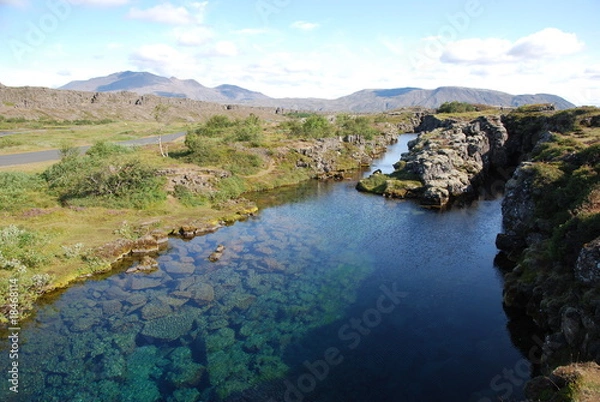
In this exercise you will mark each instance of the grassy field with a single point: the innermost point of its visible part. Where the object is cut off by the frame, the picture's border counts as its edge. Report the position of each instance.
(30, 136)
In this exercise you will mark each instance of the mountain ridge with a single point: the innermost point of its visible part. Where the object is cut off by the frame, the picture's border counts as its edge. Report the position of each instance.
(366, 100)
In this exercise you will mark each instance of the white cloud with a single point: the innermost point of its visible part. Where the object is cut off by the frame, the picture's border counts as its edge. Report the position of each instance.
(167, 13)
(548, 43)
(224, 48)
(476, 51)
(251, 31)
(159, 58)
(101, 3)
(195, 36)
(15, 3)
(304, 25)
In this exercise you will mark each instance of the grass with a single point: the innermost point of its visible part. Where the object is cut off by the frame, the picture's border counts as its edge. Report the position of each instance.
(37, 136)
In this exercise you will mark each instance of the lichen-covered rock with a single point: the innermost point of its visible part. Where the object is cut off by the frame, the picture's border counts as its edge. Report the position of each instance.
(587, 269)
(518, 205)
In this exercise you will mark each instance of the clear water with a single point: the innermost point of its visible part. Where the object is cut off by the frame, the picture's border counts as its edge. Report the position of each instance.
(327, 295)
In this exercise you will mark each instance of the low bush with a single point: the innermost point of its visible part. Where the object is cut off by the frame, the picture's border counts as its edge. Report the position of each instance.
(20, 191)
(360, 125)
(108, 176)
(456, 107)
(20, 249)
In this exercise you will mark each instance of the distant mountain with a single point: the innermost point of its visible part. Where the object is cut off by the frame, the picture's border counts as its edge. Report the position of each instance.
(149, 84)
(368, 100)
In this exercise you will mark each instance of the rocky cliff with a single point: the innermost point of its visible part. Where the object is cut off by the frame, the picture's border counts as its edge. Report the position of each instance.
(550, 246)
(449, 162)
(551, 217)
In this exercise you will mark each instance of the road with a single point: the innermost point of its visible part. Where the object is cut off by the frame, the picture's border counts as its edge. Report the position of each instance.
(54, 154)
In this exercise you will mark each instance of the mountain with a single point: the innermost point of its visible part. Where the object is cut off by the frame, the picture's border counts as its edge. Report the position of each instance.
(149, 84)
(368, 100)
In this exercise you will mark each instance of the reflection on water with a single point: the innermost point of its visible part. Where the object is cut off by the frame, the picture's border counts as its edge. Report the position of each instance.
(337, 296)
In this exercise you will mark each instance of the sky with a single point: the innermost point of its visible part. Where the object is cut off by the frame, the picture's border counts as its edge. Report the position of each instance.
(310, 48)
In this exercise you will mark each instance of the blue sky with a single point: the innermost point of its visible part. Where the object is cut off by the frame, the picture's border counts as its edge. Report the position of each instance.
(293, 48)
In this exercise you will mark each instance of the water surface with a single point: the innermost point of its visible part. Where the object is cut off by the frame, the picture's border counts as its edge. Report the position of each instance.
(327, 295)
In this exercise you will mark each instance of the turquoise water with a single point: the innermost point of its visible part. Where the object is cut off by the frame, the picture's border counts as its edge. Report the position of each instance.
(327, 295)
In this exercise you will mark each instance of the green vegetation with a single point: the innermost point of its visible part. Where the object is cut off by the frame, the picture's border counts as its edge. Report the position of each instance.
(360, 125)
(314, 126)
(456, 107)
(299, 115)
(37, 135)
(20, 190)
(105, 177)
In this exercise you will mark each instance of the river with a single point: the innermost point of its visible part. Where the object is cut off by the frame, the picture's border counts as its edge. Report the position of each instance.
(327, 294)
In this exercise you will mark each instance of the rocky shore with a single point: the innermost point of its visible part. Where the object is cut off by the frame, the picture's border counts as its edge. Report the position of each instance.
(550, 246)
(450, 160)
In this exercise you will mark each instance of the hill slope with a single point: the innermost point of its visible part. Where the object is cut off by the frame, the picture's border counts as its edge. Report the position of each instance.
(368, 100)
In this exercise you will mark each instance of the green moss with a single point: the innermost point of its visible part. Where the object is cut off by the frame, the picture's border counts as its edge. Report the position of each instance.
(376, 184)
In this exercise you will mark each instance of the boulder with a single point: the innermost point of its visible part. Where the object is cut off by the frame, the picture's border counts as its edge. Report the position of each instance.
(587, 268)
(217, 254)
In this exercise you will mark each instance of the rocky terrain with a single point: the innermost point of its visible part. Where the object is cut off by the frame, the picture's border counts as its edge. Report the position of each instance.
(447, 163)
(368, 100)
(551, 215)
(40, 103)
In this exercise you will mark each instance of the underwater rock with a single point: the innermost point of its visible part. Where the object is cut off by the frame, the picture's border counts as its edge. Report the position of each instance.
(180, 268)
(220, 340)
(183, 371)
(142, 282)
(155, 309)
(202, 293)
(136, 299)
(125, 341)
(111, 307)
(84, 324)
(170, 327)
(173, 301)
(185, 395)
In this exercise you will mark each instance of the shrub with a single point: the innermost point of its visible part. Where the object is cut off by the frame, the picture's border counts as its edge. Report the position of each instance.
(20, 190)
(19, 249)
(249, 130)
(315, 126)
(456, 107)
(105, 149)
(105, 178)
(356, 126)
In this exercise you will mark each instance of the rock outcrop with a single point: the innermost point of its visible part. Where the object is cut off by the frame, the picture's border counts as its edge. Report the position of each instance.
(324, 156)
(587, 269)
(450, 162)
